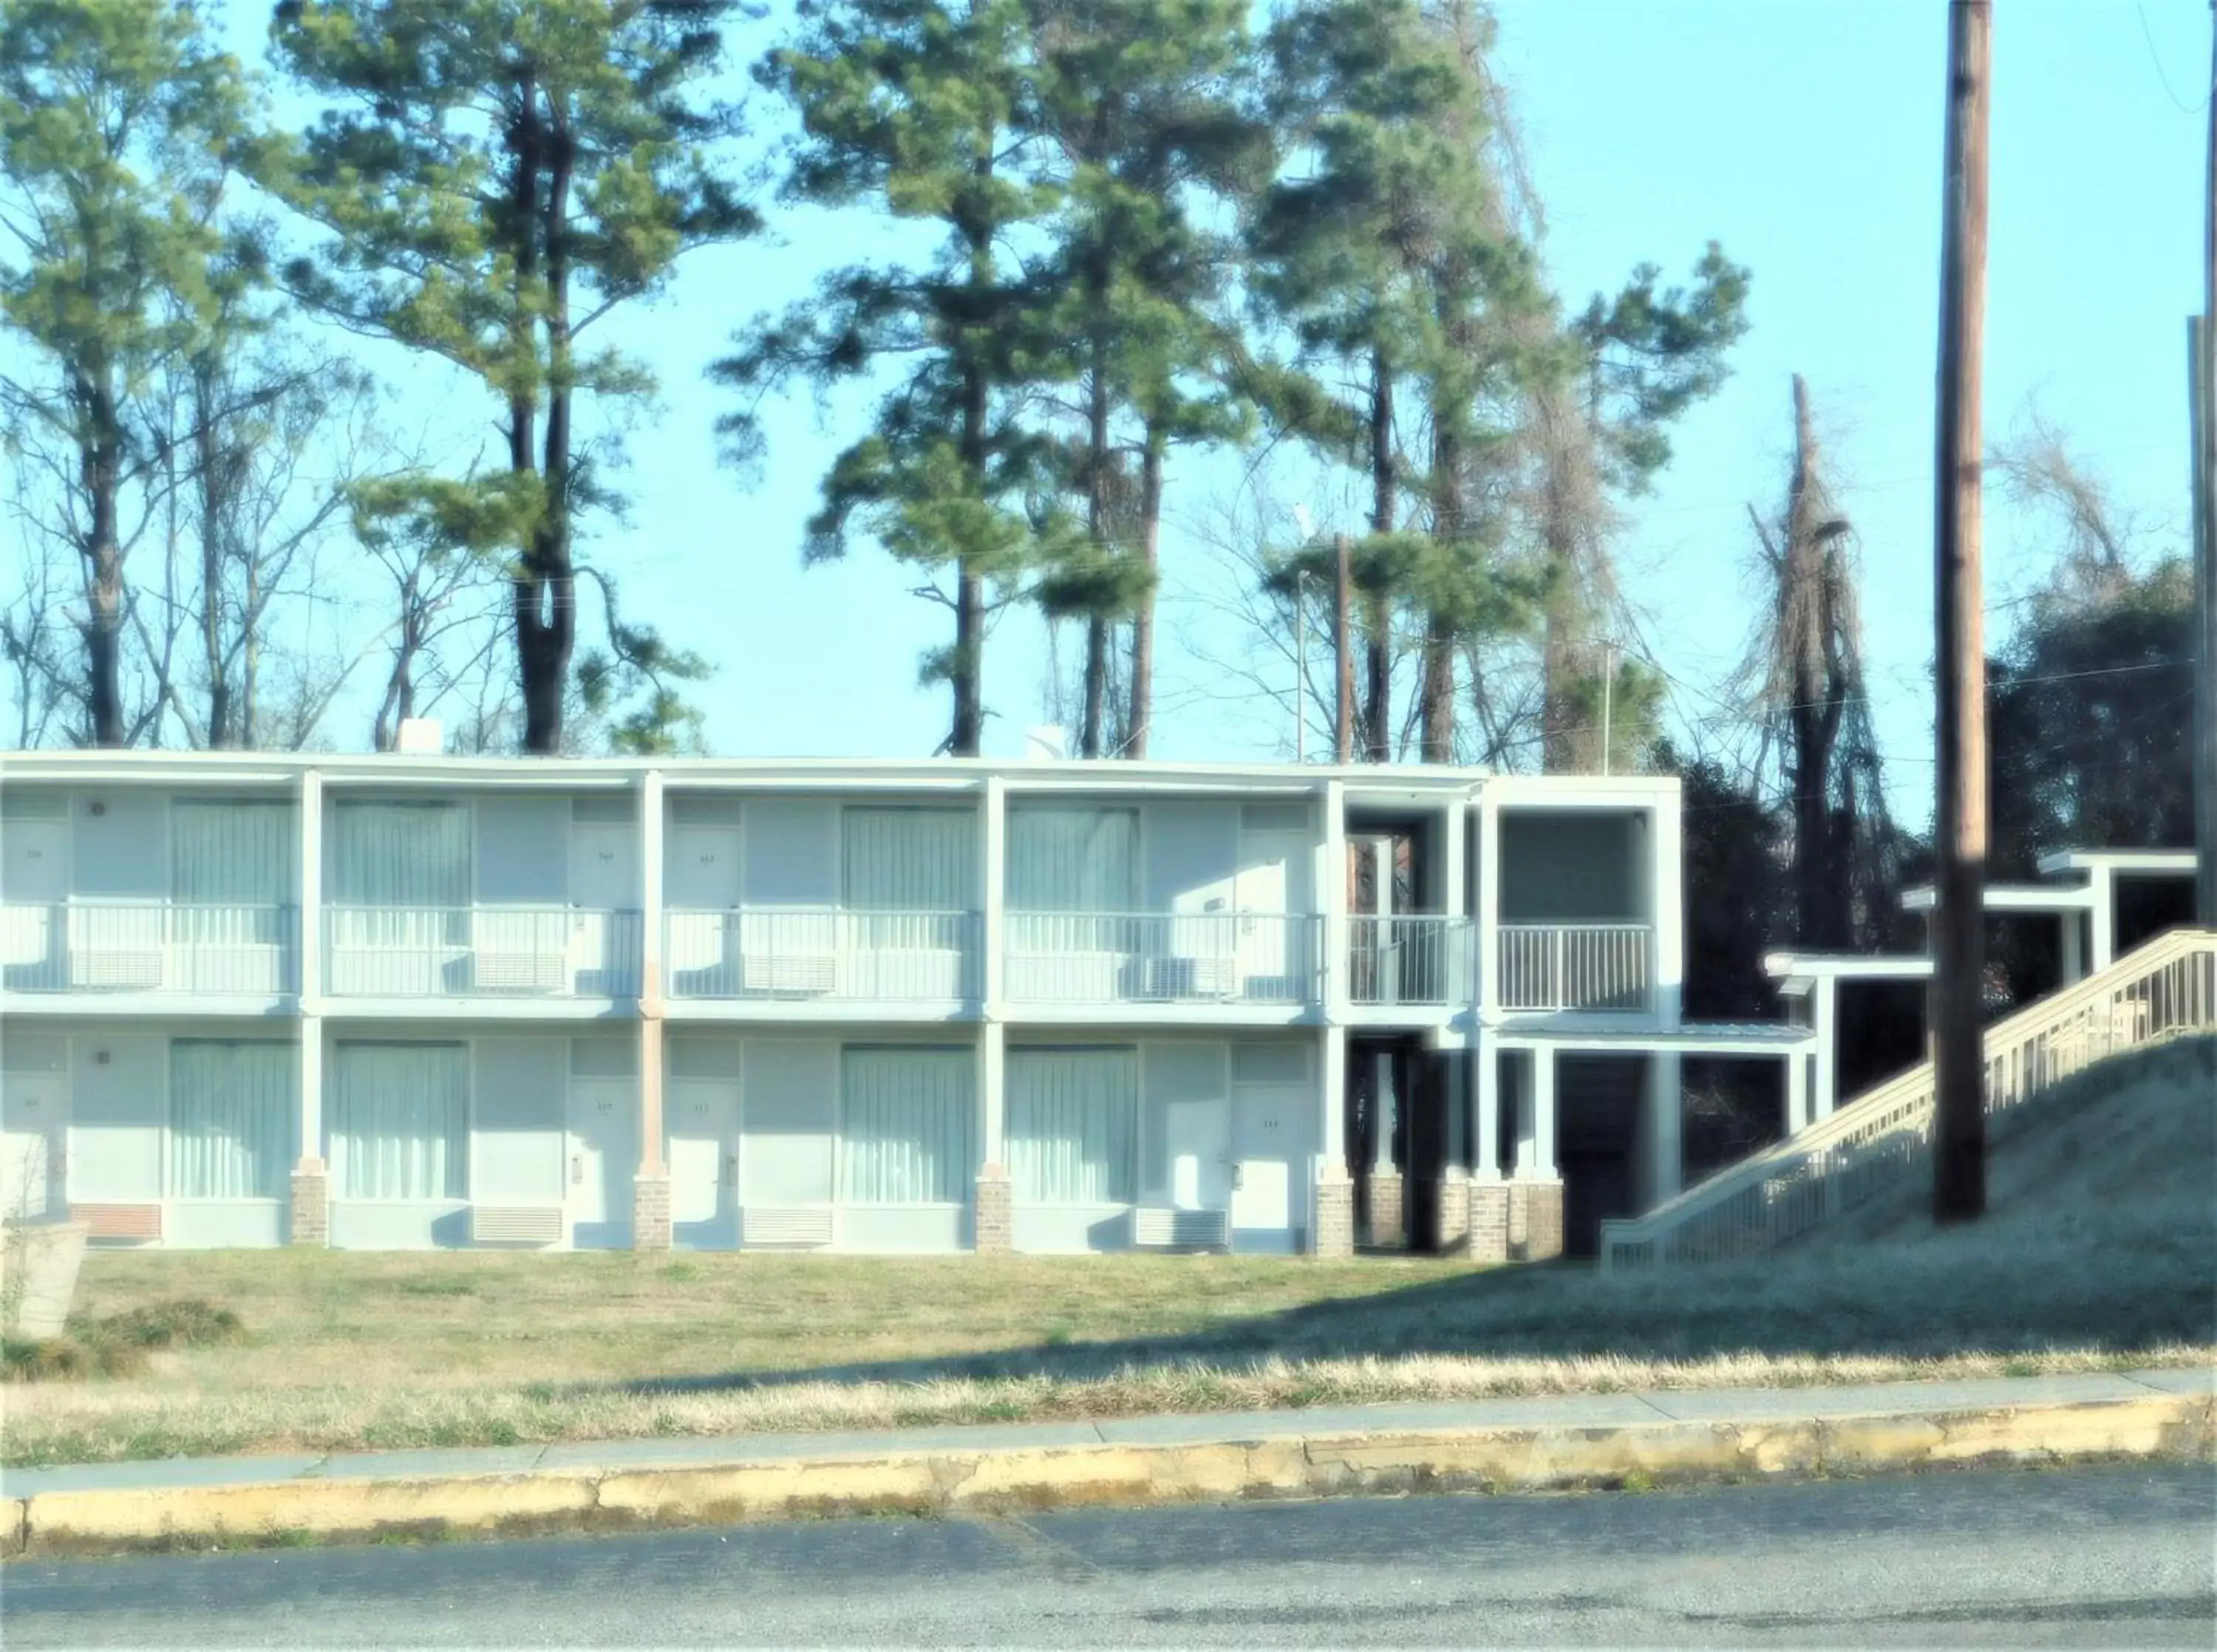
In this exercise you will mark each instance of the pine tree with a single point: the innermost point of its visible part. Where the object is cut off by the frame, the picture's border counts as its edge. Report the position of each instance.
(1140, 104)
(117, 121)
(499, 175)
(919, 108)
(1384, 256)
(1629, 367)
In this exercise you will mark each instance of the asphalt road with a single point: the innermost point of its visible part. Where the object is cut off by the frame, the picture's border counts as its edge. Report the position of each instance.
(2089, 1557)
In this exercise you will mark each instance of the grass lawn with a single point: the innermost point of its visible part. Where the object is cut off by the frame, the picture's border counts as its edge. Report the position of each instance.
(2101, 1253)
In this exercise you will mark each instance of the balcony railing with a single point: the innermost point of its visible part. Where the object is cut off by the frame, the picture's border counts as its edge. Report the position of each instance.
(827, 953)
(1164, 957)
(1418, 959)
(483, 951)
(1577, 967)
(149, 946)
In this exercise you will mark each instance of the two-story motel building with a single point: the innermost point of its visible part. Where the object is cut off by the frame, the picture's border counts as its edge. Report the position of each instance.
(395, 1002)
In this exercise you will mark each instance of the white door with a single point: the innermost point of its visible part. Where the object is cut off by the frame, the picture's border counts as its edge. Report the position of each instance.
(1263, 1134)
(1199, 1146)
(702, 889)
(603, 882)
(704, 1160)
(1269, 884)
(33, 1117)
(602, 1157)
(35, 883)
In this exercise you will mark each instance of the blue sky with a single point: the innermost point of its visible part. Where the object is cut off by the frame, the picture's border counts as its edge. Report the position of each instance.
(1805, 136)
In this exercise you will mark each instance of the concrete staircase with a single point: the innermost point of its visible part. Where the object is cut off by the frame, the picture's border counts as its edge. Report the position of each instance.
(1884, 1137)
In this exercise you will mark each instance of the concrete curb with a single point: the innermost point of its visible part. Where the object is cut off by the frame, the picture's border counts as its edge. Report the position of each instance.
(346, 1508)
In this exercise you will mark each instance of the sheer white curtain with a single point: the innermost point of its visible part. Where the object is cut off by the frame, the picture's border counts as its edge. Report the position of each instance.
(907, 1117)
(409, 865)
(400, 1121)
(910, 877)
(231, 1120)
(231, 878)
(1073, 1125)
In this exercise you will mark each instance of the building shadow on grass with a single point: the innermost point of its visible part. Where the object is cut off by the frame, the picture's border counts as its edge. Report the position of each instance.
(2103, 1240)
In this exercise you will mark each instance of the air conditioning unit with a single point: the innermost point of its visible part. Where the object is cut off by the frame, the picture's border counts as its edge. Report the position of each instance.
(516, 1224)
(116, 968)
(520, 972)
(793, 1226)
(1159, 1228)
(1191, 977)
(811, 974)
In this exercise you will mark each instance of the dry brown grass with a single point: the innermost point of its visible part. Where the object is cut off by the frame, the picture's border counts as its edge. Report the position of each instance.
(359, 1351)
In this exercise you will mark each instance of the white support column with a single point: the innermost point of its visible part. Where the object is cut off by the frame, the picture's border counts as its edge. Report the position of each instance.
(992, 1100)
(1485, 1079)
(312, 892)
(311, 1095)
(311, 975)
(1543, 1115)
(992, 888)
(2072, 923)
(1454, 838)
(1666, 1127)
(651, 1069)
(1797, 1093)
(1826, 996)
(1667, 885)
(2104, 919)
(1387, 1122)
(1331, 1123)
(1331, 886)
(1486, 932)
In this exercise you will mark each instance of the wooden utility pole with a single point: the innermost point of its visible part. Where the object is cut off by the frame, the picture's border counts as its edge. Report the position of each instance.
(1342, 658)
(1959, 1137)
(2203, 352)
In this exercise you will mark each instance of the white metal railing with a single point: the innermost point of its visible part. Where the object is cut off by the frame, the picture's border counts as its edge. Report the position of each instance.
(1884, 1137)
(80, 945)
(1575, 966)
(1154, 957)
(821, 953)
(492, 952)
(1421, 957)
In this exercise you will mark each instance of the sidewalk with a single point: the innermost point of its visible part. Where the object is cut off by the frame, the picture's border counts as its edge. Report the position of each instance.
(1636, 1438)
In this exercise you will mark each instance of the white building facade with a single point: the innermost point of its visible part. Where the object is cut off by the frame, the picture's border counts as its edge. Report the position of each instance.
(407, 1002)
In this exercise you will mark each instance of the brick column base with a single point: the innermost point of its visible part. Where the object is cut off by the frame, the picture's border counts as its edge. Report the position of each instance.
(1335, 1218)
(1386, 1226)
(1536, 1220)
(1451, 1232)
(1489, 1220)
(995, 1213)
(312, 1205)
(650, 1212)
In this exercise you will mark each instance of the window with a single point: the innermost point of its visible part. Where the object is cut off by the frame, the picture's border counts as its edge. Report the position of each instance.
(1072, 1125)
(1062, 859)
(231, 1120)
(400, 1121)
(405, 868)
(231, 877)
(905, 1121)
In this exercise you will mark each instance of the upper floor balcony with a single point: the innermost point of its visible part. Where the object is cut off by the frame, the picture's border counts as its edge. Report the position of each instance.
(1418, 959)
(1602, 968)
(209, 949)
(1164, 957)
(822, 954)
(481, 952)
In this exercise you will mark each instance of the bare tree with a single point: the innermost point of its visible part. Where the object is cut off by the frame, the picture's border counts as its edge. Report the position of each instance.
(1803, 674)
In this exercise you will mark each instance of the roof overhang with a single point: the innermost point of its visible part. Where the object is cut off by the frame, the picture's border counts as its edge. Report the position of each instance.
(1803, 968)
(1692, 1038)
(2011, 897)
(2155, 863)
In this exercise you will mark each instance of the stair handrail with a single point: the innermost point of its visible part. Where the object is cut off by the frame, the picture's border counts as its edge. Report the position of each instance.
(1818, 1157)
